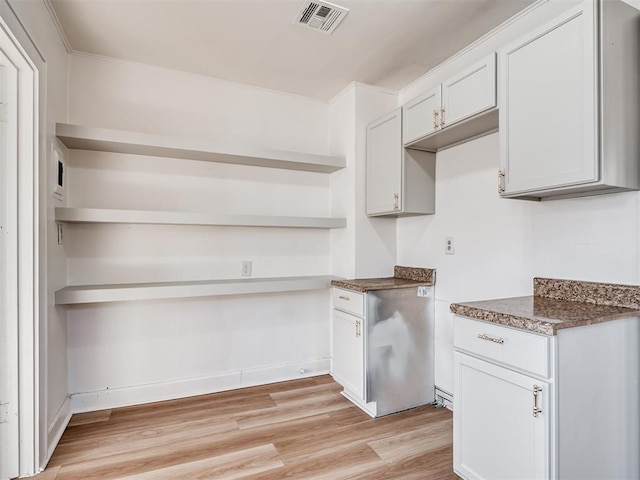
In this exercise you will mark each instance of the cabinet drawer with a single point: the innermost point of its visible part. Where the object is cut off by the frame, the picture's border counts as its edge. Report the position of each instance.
(516, 348)
(348, 301)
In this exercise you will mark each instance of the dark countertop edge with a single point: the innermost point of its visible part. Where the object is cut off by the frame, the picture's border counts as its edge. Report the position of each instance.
(348, 285)
(504, 319)
(525, 323)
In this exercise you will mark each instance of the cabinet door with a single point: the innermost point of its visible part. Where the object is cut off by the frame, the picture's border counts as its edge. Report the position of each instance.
(384, 164)
(495, 432)
(470, 92)
(548, 106)
(348, 352)
(421, 116)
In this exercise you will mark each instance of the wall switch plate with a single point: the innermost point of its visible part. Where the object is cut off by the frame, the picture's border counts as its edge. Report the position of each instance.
(246, 269)
(449, 246)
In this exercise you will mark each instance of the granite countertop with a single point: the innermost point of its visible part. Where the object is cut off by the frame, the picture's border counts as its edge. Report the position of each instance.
(557, 304)
(403, 277)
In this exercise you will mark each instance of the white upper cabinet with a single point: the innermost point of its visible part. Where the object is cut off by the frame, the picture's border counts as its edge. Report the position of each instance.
(421, 115)
(384, 164)
(568, 107)
(470, 92)
(400, 181)
(461, 108)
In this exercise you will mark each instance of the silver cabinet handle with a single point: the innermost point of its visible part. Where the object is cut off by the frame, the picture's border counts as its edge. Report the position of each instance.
(442, 122)
(484, 336)
(536, 391)
(358, 332)
(500, 181)
(396, 198)
(435, 119)
(342, 297)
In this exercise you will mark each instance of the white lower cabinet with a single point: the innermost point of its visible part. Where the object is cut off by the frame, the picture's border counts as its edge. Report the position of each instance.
(348, 352)
(502, 413)
(497, 434)
(533, 406)
(347, 340)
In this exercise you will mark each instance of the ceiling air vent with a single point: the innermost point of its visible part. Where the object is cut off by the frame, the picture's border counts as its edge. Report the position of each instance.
(323, 16)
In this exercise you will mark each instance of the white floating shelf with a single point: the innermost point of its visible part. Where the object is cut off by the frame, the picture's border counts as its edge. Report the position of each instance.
(80, 294)
(118, 141)
(101, 215)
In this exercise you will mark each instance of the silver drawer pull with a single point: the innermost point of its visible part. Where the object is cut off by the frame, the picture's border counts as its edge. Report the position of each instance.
(536, 391)
(484, 336)
(342, 297)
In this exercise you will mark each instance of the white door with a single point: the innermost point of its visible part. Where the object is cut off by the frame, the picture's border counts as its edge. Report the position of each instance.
(495, 432)
(348, 352)
(9, 428)
(421, 116)
(384, 164)
(548, 106)
(470, 92)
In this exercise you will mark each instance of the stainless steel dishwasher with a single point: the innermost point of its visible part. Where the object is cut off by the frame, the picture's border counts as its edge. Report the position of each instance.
(399, 348)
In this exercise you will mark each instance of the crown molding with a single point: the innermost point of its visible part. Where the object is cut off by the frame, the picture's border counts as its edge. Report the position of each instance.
(58, 25)
(475, 43)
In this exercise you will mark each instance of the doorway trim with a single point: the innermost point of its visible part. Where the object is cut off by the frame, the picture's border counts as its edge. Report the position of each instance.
(25, 235)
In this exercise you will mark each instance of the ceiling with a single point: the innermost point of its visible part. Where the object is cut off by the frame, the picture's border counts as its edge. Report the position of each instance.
(387, 43)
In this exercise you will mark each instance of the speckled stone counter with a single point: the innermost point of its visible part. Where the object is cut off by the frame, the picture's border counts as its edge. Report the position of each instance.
(557, 304)
(404, 277)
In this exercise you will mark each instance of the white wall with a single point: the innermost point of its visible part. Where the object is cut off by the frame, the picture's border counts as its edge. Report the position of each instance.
(128, 96)
(376, 244)
(134, 352)
(342, 128)
(54, 408)
(501, 244)
(367, 247)
(492, 239)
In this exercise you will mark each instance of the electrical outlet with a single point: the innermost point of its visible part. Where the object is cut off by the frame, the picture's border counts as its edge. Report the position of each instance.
(449, 246)
(423, 291)
(246, 269)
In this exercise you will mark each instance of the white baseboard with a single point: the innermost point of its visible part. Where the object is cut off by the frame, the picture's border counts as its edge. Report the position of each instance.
(284, 372)
(57, 426)
(156, 392)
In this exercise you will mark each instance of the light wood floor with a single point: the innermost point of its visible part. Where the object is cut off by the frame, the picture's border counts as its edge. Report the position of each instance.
(302, 429)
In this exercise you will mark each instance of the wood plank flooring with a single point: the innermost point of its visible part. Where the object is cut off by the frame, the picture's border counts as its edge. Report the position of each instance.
(303, 429)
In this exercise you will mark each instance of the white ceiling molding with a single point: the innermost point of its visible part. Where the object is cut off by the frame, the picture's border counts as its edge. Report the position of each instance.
(56, 22)
(537, 4)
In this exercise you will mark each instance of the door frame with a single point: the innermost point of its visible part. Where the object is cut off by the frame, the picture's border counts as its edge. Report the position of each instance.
(25, 234)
